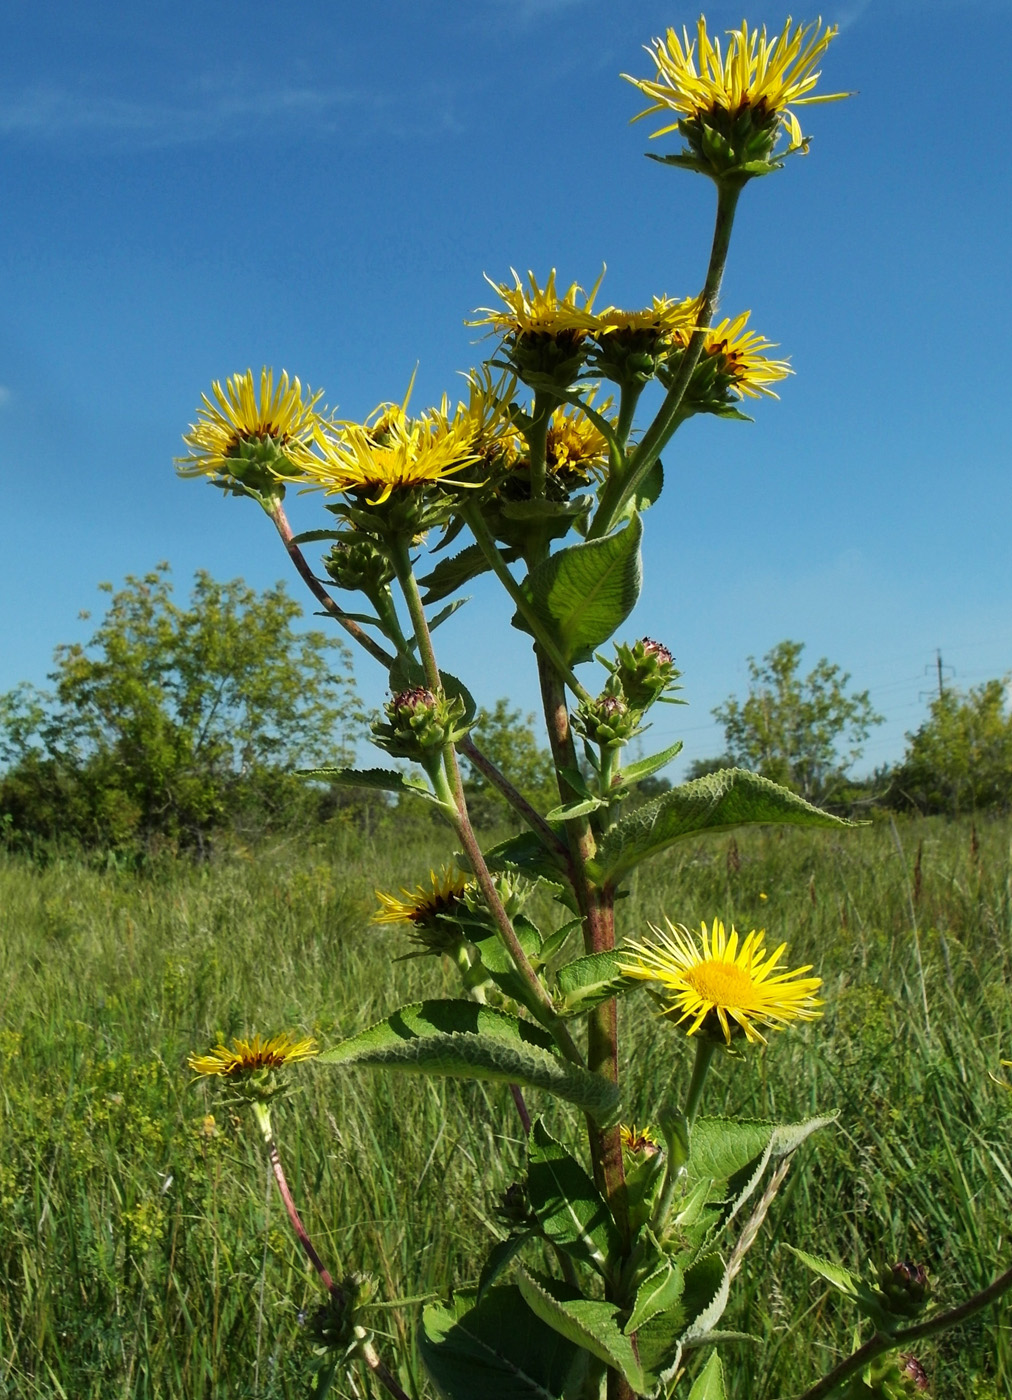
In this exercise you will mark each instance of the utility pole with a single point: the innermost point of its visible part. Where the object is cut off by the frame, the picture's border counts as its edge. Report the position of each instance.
(941, 687)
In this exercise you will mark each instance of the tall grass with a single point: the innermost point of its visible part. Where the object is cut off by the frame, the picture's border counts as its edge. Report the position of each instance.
(142, 1254)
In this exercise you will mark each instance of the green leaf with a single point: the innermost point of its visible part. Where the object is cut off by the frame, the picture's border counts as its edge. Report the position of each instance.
(500, 1256)
(585, 591)
(568, 810)
(658, 1293)
(469, 1041)
(728, 798)
(590, 980)
(866, 1299)
(527, 854)
(635, 772)
(556, 941)
(569, 1207)
(709, 1384)
(313, 536)
(589, 1323)
(386, 779)
(705, 1296)
(452, 573)
(496, 1348)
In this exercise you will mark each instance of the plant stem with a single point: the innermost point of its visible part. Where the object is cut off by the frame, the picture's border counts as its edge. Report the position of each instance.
(456, 803)
(516, 799)
(597, 909)
(485, 542)
(882, 1342)
(620, 489)
(318, 591)
(365, 1348)
(704, 1054)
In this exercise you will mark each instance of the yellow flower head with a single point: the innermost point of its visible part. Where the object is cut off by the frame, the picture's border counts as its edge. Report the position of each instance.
(639, 1140)
(483, 420)
(242, 423)
(251, 1056)
(425, 903)
(763, 77)
(662, 318)
(575, 445)
(719, 986)
(733, 360)
(388, 452)
(533, 310)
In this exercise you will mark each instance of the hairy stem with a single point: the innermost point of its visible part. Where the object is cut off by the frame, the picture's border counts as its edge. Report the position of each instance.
(318, 591)
(365, 1348)
(620, 489)
(882, 1342)
(456, 803)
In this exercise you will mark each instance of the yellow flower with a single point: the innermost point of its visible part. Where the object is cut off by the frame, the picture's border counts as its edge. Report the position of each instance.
(663, 317)
(714, 983)
(639, 1140)
(763, 76)
(574, 443)
(250, 1056)
(540, 311)
(424, 903)
(240, 420)
(392, 452)
(737, 359)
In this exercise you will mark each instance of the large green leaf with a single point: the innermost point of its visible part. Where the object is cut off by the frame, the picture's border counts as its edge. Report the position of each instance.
(496, 1349)
(730, 797)
(570, 1209)
(634, 773)
(586, 591)
(588, 1322)
(469, 1041)
(658, 1293)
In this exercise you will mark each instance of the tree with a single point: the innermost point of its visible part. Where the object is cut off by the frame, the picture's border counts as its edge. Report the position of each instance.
(802, 732)
(173, 720)
(960, 760)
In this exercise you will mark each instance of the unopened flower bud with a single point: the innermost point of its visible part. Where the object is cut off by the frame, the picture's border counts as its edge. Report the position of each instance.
(643, 671)
(903, 1287)
(607, 721)
(419, 722)
(358, 565)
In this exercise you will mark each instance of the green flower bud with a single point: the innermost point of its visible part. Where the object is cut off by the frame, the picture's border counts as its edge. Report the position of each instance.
(607, 721)
(514, 1210)
(644, 671)
(358, 565)
(903, 1288)
(892, 1378)
(419, 723)
(332, 1327)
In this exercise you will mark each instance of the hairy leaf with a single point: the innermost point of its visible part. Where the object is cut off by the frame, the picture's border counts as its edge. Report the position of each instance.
(496, 1348)
(590, 980)
(569, 1207)
(585, 591)
(589, 1323)
(463, 1039)
(728, 798)
(709, 1384)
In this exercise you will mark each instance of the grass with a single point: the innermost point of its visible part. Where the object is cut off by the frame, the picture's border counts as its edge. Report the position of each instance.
(143, 1255)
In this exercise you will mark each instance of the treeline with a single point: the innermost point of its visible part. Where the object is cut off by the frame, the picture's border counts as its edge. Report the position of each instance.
(180, 727)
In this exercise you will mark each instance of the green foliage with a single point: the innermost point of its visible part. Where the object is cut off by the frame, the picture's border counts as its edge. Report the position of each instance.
(585, 592)
(960, 760)
(173, 721)
(803, 732)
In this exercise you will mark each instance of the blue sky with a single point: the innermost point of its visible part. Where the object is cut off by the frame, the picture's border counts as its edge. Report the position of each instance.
(191, 189)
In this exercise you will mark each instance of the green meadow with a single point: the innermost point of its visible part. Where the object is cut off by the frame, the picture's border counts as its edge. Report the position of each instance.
(143, 1254)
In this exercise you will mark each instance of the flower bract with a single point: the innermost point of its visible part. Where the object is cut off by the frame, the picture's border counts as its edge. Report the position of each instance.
(243, 426)
(250, 1056)
(720, 986)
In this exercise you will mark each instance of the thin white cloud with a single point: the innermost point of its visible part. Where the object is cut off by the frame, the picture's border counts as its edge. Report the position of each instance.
(220, 110)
